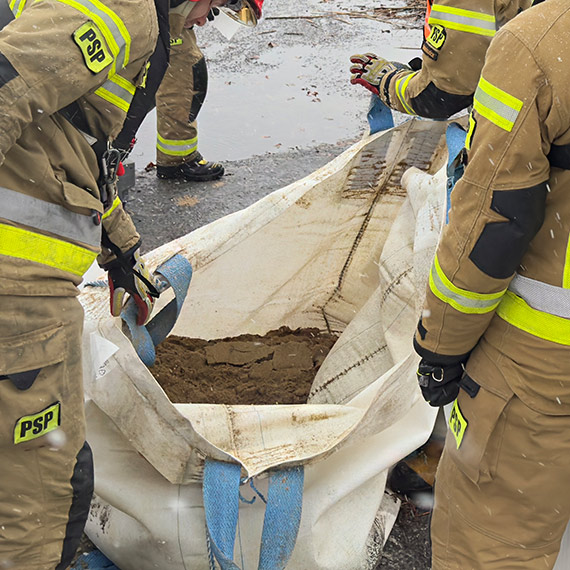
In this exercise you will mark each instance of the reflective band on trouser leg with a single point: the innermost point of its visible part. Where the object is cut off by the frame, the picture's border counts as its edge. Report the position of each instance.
(496, 105)
(518, 313)
(401, 86)
(47, 217)
(461, 299)
(176, 148)
(463, 20)
(111, 26)
(59, 254)
(118, 91)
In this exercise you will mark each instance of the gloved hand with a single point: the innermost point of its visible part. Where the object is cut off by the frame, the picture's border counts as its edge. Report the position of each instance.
(128, 274)
(439, 384)
(213, 13)
(369, 69)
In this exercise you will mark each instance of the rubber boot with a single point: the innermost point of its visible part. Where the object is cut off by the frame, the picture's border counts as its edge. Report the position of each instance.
(196, 170)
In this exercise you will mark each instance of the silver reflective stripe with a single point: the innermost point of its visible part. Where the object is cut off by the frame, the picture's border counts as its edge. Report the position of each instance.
(542, 296)
(48, 217)
(463, 20)
(110, 25)
(17, 6)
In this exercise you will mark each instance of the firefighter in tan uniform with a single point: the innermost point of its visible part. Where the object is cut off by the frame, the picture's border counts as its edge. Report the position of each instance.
(63, 67)
(456, 37)
(494, 336)
(178, 102)
(181, 94)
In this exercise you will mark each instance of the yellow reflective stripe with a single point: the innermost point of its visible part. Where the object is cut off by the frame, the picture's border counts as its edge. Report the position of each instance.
(401, 85)
(24, 244)
(114, 205)
(518, 313)
(496, 105)
(176, 147)
(118, 91)
(460, 299)
(566, 277)
(118, 40)
(17, 6)
(470, 131)
(463, 20)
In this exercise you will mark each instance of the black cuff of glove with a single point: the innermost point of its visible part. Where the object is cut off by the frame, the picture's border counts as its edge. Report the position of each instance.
(439, 359)
(122, 259)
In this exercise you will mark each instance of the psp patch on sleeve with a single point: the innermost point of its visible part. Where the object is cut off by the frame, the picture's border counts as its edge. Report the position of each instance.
(434, 42)
(93, 47)
(36, 425)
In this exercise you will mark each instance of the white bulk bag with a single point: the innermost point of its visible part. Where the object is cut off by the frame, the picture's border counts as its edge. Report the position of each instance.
(346, 250)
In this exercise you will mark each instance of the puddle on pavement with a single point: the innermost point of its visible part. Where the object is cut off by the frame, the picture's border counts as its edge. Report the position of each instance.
(289, 97)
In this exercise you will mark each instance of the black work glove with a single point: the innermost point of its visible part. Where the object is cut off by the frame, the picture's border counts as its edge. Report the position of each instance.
(439, 384)
(213, 13)
(128, 274)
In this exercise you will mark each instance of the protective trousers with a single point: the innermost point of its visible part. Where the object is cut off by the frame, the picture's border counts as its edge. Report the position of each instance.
(502, 499)
(179, 100)
(46, 471)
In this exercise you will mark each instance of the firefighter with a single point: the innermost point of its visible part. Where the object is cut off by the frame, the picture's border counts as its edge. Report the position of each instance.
(178, 102)
(457, 34)
(181, 94)
(494, 336)
(69, 71)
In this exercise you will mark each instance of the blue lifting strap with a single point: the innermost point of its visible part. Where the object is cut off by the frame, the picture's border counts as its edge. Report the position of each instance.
(455, 139)
(177, 272)
(94, 560)
(281, 521)
(379, 115)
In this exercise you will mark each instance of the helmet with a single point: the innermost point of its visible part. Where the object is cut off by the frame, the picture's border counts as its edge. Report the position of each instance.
(246, 12)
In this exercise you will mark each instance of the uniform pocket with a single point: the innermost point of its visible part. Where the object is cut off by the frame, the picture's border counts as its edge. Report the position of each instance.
(32, 350)
(471, 423)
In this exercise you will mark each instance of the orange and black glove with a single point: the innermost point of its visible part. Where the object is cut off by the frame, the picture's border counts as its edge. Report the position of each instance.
(369, 70)
(128, 274)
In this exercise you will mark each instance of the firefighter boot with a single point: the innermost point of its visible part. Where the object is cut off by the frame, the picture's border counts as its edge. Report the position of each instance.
(196, 170)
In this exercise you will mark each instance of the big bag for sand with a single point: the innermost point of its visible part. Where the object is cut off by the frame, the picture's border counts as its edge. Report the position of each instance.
(196, 486)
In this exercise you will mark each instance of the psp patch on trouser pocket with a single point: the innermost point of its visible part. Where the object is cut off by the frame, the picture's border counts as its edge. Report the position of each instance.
(471, 423)
(36, 425)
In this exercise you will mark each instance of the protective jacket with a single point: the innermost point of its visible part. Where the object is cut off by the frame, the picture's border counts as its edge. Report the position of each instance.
(89, 63)
(499, 287)
(456, 37)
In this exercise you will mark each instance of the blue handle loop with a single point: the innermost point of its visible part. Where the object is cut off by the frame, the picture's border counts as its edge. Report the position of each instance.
(379, 116)
(281, 521)
(94, 560)
(177, 273)
(455, 139)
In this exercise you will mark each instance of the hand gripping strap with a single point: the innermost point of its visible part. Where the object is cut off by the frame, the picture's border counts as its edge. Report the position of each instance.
(177, 273)
(282, 514)
(455, 139)
(379, 115)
